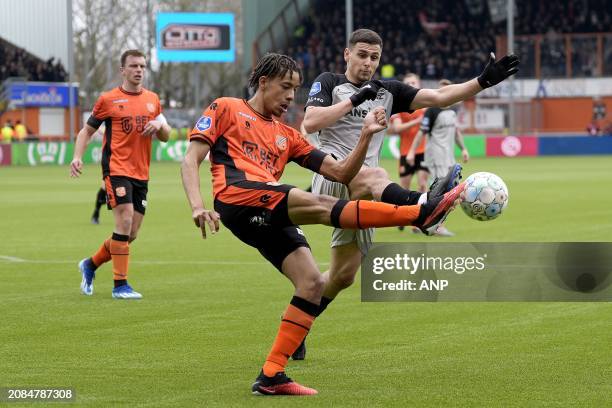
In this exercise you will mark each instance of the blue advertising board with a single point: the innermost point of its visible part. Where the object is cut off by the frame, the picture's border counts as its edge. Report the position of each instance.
(195, 37)
(43, 94)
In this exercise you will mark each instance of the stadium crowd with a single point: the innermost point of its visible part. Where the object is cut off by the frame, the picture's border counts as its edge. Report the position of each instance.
(17, 62)
(445, 38)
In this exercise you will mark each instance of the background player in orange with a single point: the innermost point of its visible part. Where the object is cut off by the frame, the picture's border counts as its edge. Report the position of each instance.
(132, 116)
(248, 152)
(407, 126)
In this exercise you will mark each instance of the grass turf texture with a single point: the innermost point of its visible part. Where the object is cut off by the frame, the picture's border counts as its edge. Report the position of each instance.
(211, 308)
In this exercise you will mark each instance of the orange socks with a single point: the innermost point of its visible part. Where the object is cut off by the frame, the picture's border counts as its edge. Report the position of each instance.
(103, 254)
(362, 214)
(120, 253)
(294, 327)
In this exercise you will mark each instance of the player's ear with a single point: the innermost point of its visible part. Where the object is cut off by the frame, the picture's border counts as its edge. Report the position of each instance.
(263, 80)
(347, 54)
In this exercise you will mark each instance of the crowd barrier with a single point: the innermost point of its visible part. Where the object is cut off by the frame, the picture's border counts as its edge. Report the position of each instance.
(60, 153)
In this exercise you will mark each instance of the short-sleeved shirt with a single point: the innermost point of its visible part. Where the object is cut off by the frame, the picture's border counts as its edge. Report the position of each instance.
(408, 135)
(440, 125)
(245, 145)
(341, 137)
(125, 151)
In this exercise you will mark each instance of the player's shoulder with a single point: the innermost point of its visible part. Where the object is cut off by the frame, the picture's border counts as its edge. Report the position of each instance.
(110, 94)
(330, 78)
(287, 130)
(149, 94)
(394, 86)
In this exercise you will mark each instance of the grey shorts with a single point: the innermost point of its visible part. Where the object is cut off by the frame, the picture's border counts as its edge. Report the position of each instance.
(320, 185)
(438, 171)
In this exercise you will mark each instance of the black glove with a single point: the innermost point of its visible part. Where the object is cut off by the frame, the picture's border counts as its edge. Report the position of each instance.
(368, 91)
(495, 72)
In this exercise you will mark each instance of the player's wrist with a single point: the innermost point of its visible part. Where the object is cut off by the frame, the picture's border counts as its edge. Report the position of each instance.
(357, 99)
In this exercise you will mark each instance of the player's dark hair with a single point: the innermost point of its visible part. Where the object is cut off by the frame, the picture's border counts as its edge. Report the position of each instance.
(133, 53)
(365, 35)
(273, 66)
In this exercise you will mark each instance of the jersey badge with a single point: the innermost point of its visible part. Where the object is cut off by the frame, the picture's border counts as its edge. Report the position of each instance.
(203, 123)
(315, 89)
(281, 142)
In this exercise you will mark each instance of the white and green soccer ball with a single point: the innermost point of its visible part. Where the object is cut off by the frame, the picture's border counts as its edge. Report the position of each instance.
(485, 196)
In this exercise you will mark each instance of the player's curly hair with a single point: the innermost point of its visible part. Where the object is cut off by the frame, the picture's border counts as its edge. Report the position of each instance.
(273, 66)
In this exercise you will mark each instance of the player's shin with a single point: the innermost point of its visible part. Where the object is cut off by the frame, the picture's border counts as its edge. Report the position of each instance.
(120, 252)
(294, 327)
(103, 254)
(368, 214)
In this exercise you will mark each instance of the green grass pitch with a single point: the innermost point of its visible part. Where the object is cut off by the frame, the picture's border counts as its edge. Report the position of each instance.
(211, 308)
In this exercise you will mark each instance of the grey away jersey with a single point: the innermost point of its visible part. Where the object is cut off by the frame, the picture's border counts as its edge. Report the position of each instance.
(341, 137)
(440, 125)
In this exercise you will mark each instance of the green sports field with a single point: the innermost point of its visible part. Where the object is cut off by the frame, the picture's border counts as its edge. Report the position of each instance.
(211, 308)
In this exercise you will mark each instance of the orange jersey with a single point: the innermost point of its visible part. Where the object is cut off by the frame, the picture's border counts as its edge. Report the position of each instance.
(407, 136)
(248, 146)
(125, 151)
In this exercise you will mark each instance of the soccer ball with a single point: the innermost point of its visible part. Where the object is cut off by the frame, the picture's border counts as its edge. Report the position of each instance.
(485, 196)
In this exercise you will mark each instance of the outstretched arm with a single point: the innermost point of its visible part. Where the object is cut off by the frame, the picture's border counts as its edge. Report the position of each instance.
(190, 174)
(494, 73)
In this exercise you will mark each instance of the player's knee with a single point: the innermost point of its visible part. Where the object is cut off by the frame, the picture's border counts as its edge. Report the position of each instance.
(345, 278)
(314, 285)
(378, 173)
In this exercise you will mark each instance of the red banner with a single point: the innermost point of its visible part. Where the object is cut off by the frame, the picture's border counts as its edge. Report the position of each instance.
(5, 154)
(510, 146)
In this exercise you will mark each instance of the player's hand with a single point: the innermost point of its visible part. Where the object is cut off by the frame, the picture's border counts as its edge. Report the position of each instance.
(465, 155)
(76, 167)
(368, 91)
(410, 158)
(495, 72)
(151, 128)
(201, 217)
(375, 121)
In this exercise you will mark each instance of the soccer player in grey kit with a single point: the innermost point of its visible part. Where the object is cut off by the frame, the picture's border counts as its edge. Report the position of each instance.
(336, 108)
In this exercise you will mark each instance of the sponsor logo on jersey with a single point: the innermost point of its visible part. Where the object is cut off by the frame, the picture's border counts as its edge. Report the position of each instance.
(150, 107)
(120, 100)
(315, 89)
(281, 142)
(203, 123)
(246, 115)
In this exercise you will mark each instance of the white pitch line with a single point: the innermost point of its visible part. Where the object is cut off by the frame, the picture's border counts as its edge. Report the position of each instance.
(12, 258)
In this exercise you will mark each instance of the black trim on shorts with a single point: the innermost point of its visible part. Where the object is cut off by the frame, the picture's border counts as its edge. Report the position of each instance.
(220, 154)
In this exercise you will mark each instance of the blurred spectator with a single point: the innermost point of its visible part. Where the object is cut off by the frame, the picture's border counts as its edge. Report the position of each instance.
(447, 38)
(598, 122)
(20, 131)
(17, 62)
(7, 132)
